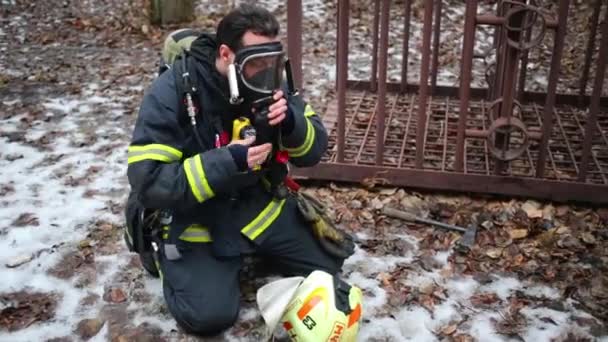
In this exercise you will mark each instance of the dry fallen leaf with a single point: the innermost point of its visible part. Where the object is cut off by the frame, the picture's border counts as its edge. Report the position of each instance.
(518, 233)
(532, 209)
(385, 278)
(494, 253)
(19, 260)
(448, 329)
(588, 238)
(115, 295)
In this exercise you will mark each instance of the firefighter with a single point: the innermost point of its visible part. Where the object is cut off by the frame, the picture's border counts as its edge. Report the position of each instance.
(213, 192)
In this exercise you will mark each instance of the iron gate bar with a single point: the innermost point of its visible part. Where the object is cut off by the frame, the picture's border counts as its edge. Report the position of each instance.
(465, 80)
(294, 39)
(375, 29)
(390, 118)
(437, 180)
(494, 20)
(436, 37)
(407, 129)
(568, 145)
(559, 122)
(372, 118)
(406, 43)
(592, 132)
(590, 47)
(424, 81)
(594, 108)
(342, 74)
(523, 69)
(384, 21)
(485, 142)
(352, 120)
(558, 47)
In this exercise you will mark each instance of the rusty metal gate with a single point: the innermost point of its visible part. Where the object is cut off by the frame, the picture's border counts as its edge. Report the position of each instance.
(499, 138)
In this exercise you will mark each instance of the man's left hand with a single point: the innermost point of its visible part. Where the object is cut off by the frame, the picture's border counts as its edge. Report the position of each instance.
(277, 110)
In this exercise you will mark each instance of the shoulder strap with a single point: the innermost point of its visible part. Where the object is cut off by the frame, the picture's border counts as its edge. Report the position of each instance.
(186, 85)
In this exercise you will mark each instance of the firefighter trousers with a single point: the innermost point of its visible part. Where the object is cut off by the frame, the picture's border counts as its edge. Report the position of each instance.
(202, 291)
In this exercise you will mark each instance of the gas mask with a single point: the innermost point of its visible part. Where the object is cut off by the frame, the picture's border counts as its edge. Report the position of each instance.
(254, 76)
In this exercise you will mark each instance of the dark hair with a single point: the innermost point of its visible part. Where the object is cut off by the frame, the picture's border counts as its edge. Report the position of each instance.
(245, 18)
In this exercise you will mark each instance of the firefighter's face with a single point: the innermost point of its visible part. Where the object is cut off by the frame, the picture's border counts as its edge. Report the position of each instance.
(249, 38)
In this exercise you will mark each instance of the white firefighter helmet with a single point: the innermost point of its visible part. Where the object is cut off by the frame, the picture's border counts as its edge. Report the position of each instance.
(323, 308)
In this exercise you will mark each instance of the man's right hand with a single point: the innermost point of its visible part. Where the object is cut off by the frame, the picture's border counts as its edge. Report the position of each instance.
(256, 155)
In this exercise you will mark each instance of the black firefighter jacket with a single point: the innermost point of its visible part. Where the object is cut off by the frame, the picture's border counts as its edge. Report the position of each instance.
(209, 199)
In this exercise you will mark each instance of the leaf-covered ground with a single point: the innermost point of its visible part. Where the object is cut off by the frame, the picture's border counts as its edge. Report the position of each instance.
(71, 76)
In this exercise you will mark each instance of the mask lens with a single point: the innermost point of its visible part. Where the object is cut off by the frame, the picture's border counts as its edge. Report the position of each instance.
(263, 72)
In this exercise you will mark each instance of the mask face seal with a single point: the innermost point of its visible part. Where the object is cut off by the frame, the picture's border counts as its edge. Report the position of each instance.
(256, 73)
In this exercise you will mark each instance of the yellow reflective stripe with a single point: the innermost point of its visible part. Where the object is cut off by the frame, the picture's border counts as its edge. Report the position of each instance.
(308, 142)
(196, 178)
(264, 219)
(308, 111)
(157, 152)
(196, 233)
(199, 168)
(166, 148)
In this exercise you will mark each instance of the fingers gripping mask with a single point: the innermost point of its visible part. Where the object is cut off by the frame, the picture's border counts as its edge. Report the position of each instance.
(256, 73)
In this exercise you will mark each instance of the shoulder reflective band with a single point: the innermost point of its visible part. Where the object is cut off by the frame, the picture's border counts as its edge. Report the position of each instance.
(158, 152)
(197, 179)
(264, 219)
(196, 233)
(306, 145)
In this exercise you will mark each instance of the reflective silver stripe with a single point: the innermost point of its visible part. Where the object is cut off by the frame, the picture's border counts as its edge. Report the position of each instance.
(197, 178)
(266, 217)
(195, 234)
(153, 151)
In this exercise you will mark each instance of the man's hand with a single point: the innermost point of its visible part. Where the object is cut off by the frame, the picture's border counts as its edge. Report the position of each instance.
(256, 155)
(277, 110)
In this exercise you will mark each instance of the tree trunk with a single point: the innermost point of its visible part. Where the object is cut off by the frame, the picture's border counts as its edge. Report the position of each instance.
(172, 11)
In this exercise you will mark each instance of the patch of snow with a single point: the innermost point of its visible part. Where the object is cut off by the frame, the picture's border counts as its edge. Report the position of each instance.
(542, 291)
(374, 295)
(442, 257)
(63, 215)
(381, 329)
(415, 324)
(502, 287)
(461, 288)
(545, 324)
(482, 327)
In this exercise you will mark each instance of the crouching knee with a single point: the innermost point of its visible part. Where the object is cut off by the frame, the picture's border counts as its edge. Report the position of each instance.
(203, 319)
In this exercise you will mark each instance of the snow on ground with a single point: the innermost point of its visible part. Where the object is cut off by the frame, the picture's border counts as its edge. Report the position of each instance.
(46, 186)
(59, 212)
(418, 323)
